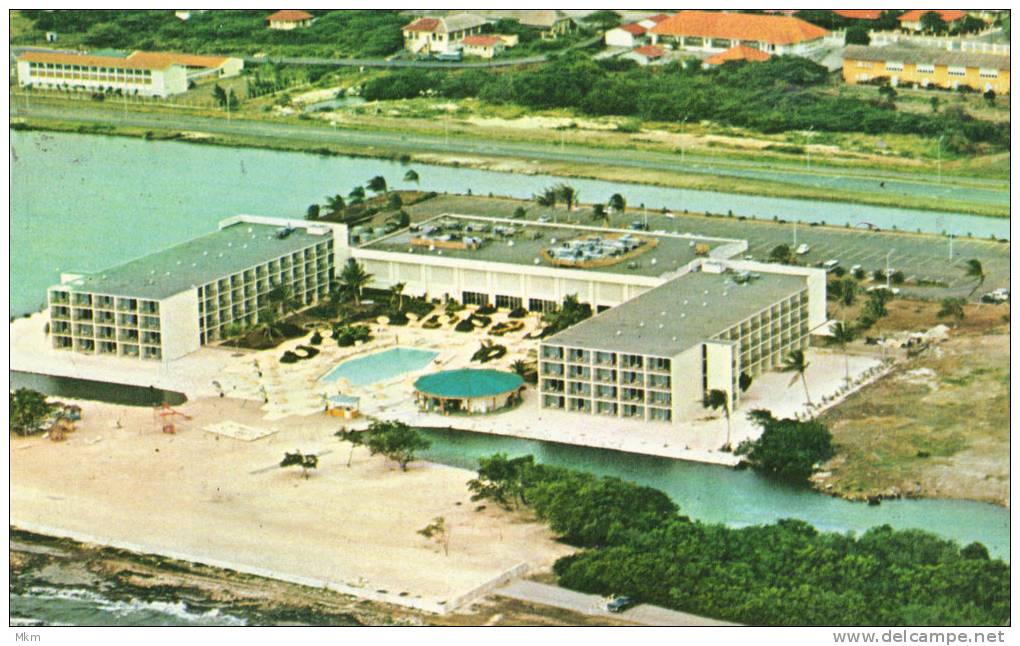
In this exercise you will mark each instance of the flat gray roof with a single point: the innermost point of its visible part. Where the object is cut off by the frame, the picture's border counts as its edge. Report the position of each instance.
(675, 316)
(671, 253)
(195, 262)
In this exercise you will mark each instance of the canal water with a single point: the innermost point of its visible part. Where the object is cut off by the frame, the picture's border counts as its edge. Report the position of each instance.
(85, 202)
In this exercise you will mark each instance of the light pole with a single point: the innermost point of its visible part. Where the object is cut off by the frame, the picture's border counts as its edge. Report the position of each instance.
(940, 157)
(887, 281)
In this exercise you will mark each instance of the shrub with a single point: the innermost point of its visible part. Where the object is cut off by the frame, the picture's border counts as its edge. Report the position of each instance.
(464, 326)
(518, 313)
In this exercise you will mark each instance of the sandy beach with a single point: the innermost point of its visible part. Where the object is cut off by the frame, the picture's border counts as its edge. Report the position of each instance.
(193, 495)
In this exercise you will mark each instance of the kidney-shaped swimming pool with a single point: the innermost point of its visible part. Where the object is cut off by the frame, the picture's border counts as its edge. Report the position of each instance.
(380, 366)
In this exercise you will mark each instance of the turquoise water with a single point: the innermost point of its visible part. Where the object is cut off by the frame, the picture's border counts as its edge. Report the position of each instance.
(120, 198)
(722, 495)
(381, 366)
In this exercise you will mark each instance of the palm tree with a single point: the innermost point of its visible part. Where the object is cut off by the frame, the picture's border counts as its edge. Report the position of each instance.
(843, 334)
(716, 399)
(617, 203)
(975, 270)
(599, 214)
(397, 290)
(377, 184)
(847, 291)
(357, 195)
(797, 363)
(952, 307)
(411, 176)
(519, 366)
(568, 194)
(354, 278)
(336, 203)
(546, 198)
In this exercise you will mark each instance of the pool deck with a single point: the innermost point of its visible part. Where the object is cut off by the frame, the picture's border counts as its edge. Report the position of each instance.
(287, 390)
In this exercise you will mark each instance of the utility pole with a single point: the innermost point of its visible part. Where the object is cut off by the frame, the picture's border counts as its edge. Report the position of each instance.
(887, 279)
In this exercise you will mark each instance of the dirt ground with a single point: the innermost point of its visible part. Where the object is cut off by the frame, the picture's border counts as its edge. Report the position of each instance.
(937, 427)
(214, 499)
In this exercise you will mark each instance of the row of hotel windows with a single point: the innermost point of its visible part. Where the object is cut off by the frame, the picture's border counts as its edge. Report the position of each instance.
(504, 301)
(606, 376)
(663, 398)
(612, 409)
(107, 347)
(920, 68)
(600, 358)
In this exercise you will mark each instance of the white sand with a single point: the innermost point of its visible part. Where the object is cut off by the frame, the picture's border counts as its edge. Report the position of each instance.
(193, 495)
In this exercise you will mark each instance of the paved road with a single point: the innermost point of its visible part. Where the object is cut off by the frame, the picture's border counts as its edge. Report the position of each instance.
(861, 180)
(382, 62)
(590, 604)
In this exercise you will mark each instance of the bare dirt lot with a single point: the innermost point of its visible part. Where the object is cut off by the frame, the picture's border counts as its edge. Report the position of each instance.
(937, 427)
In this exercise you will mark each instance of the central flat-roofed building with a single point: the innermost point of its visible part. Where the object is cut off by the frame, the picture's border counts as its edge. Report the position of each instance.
(169, 303)
(656, 356)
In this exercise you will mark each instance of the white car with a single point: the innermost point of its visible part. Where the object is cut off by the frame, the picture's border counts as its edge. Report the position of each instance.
(854, 268)
(803, 249)
(830, 264)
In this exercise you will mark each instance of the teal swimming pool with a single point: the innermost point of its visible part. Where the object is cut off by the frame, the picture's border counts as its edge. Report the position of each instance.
(380, 366)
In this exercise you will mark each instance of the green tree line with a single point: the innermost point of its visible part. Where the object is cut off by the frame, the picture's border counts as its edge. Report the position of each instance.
(783, 93)
(635, 542)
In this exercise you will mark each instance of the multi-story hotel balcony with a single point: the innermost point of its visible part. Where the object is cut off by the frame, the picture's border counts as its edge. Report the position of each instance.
(605, 375)
(82, 314)
(60, 327)
(84, 330)
(575, 388)
(127, 304)
(579, 372)
(151, 338)
(60, 312)
(149, 307)
(605, 408)
(605, 358)
(660, 399)
(128, 335)
(552, 352)
(82, 299)
(633, 395)
(630, 410)
(104, 302)
(130, 320)
(631, 361)
(552, 385)
(578, 356)
(104, 332)
(661, 382)
(58, 297)
(552, 369)
(632, 378)
(107, 347)
(128, 350)
(658, 364)
(105, 317)
(605, 392)
(62, 342)
(150, 322)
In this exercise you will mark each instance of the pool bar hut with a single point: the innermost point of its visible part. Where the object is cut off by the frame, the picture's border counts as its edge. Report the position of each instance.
(341, 405)
(468, 391)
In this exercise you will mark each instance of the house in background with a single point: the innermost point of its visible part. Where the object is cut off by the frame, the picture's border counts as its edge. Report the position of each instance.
(716, 32)
(646, 54)
(651, 21)
(926, 66)
(911, 20)
(738, 53)
(431, 35)
(483, 45)
(289, 19)
(629, 35)
(551, 23)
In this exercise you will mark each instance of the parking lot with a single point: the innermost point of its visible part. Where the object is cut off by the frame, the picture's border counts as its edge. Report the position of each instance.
(923, 257)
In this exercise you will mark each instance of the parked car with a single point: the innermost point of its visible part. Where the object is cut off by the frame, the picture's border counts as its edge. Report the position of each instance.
(638, 225)
(803, 249)
(830, 264)
(619, 604)
(452, 56)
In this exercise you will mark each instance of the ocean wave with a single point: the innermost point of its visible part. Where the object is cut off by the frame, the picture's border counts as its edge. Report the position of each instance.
(176, 609)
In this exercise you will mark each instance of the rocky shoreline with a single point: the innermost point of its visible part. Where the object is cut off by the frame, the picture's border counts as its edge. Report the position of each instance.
(40, 562)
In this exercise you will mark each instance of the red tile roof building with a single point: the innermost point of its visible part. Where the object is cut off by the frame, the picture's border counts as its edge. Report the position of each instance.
(738, 53)
(288, 19)
(627, 35)
(718, 31)
(144, 73)
(433, 35)
(859, 14)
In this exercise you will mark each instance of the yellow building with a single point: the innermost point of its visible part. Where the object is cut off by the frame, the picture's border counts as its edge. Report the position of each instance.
(926, 67)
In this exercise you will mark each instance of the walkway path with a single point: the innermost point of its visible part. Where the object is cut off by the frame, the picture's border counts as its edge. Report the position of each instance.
(590, 604)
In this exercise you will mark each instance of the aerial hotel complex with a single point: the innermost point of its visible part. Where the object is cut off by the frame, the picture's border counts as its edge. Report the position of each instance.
(169, 303)
(158, 74)
(677, 315)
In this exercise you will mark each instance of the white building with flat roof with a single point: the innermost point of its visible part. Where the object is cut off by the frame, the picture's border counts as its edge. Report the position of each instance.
(169, 303)
(140, 73)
